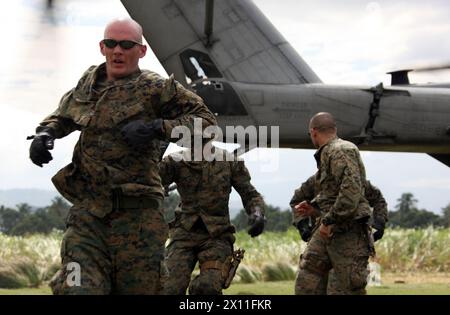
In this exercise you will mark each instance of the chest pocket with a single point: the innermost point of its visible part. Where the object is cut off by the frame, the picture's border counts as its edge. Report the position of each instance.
(121, 104)
(220, 177)
(81, 113)
(189, 180)
(127, 111)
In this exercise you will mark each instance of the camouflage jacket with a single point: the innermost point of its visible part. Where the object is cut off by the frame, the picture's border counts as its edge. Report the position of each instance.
(102, 160)
(340, 182)
(205, 187)
(308, 189)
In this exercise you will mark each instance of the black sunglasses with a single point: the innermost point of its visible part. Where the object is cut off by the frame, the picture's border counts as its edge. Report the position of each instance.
(125, 44)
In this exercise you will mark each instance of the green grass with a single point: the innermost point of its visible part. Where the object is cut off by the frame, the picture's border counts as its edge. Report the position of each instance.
(31, 261)
(44, 290)
(286, 288)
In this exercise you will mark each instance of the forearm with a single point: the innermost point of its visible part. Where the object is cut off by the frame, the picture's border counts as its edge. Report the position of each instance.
(60, 126)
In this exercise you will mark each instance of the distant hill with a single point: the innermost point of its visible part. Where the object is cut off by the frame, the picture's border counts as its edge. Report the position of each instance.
(33, 197)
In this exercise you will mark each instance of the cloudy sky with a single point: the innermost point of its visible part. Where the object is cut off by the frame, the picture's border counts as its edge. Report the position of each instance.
(345, 42)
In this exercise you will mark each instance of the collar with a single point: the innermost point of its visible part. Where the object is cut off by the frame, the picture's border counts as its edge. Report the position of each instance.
(85, 89)
(320, 149)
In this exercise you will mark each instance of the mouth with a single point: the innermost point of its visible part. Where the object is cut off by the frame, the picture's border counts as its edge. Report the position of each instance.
(117, 62)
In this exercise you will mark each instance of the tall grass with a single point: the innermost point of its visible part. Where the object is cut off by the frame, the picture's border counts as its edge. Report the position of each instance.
(30, 261)
(413, 250)
(400, 250)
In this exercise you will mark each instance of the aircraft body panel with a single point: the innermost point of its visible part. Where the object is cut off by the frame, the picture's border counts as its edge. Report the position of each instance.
(248, 74)
(245, 46)
(409, 119)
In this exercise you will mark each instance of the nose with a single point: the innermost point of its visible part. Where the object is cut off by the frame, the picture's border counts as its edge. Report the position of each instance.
(117, 50)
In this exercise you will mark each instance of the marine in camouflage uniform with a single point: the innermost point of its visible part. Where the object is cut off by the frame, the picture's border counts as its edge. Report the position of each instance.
(307, 191)
(115, 229)
(201, 230)
(342, 240)
(306, 225)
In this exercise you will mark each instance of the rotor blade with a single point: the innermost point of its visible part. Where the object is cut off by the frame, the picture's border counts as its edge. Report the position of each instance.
(436, 67)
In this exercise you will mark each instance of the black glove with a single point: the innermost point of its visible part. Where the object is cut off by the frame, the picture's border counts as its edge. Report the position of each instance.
(163, 145)
(256, 221)
(304, 229)
(378, 225)
(39, 148)
(138, 133)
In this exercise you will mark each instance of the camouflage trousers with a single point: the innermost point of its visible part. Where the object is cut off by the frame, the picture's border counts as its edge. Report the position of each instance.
(118, 254)
(214, 257)
(347, 252)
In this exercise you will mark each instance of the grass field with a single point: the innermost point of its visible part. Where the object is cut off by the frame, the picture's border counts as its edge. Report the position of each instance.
(392, 284)
(412, 262)
(436, 284)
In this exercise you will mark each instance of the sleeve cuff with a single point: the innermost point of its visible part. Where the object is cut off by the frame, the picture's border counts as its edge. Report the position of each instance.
(328, 219)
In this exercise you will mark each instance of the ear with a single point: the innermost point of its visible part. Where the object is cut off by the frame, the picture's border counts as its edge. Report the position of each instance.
(143, 51)
(102, 47)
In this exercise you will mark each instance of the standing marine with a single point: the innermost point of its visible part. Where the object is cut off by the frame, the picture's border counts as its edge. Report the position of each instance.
(201, 231)
(307, 225)
(342, 240)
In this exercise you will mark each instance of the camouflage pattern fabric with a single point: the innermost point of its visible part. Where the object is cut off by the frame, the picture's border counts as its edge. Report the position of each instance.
(308, 189)
(118, 254)
(183, 254)
(102, 160)
(307, 192)
(376, 201)
(339, 184)
(205, 188)
(201, 230)
(346, 252)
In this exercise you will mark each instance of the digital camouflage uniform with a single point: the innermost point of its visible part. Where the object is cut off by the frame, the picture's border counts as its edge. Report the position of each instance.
(201, 230)
(116, 238)
(307, 191)
(340, 198)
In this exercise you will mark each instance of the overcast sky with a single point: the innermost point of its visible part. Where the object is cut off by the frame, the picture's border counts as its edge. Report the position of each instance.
(344, 42)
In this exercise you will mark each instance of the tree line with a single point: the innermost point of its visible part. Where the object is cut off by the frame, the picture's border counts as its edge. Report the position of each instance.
(25, 220)
(405, 215)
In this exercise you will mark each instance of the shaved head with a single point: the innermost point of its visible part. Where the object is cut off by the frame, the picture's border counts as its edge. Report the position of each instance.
(121, 61)
(130, 26)
(323, 122)
(322, 128)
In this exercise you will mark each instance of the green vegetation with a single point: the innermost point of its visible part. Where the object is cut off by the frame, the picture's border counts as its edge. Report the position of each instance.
(287, 288)
(24, 220)
(400, 250)
(277, 220)
(30, 261)
(44, 290)
(408, 216)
